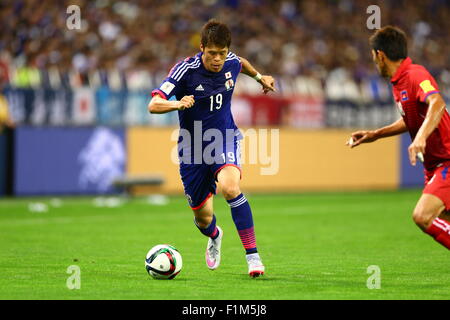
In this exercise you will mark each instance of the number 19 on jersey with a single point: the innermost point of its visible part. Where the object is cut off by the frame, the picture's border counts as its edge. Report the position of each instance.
(216, 102)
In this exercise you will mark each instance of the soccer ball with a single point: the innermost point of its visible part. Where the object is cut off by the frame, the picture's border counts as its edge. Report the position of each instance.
(163, 262)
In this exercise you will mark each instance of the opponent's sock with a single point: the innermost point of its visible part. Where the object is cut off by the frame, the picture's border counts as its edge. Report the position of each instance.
(440, 231)
(243, 220)
(211, 230)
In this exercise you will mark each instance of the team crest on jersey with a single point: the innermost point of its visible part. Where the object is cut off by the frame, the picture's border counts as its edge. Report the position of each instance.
(404, 95)
(400, 108)
(228, 75)
(229, 84)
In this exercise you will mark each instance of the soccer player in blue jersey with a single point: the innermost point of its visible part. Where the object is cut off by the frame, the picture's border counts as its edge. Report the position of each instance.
(203, 86)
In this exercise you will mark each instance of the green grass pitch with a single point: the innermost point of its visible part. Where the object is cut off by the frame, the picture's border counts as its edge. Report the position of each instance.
(314, 246)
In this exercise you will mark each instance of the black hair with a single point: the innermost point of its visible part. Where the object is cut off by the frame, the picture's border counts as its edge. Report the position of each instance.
(216, 33)
(392, 41)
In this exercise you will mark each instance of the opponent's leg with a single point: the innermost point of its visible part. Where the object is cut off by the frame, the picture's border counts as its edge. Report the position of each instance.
(205, 220)
(445, 216)
(426, 214)
(228, 179)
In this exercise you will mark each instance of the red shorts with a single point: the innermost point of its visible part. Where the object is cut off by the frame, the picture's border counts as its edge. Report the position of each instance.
(437, 183)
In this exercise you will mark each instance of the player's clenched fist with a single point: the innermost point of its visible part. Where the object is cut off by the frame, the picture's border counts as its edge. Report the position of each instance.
(186, 102)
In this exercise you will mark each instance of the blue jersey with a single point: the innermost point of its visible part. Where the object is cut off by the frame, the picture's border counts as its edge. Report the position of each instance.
(212, 92)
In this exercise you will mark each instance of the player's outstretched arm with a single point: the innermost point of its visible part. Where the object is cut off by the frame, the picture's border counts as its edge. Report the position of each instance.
(267, 82)
(436, 108)
(160, 105)
(366, 136)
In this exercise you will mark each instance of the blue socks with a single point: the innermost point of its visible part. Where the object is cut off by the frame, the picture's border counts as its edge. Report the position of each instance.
(243, 220)
(211, 230)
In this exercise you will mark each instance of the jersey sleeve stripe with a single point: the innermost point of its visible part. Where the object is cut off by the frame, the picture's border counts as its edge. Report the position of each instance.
(232, 56)
(229, 59)
(175, 68)
(157, 91)
(183, 67)
(182, 73)
(429, 94)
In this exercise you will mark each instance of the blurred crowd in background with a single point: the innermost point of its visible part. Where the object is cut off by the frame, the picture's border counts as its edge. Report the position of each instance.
(315, 47)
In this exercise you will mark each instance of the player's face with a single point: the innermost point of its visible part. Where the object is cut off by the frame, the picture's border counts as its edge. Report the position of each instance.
(214, 57)
(377, 57)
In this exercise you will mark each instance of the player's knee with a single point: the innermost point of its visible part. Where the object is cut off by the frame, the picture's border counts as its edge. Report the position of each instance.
(422, 218)
(230, 190)
(203, 221)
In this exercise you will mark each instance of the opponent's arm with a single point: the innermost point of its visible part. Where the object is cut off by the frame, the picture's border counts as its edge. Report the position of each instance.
(436, 108)
(267, 82)
(160, 105)
(366, 136)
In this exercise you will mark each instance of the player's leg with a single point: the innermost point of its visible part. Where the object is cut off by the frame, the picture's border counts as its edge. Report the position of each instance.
(205, 220)
(199, 187)
(228, 179)
(430, 212)
(426, 216)
(445, 216)
(204, 215)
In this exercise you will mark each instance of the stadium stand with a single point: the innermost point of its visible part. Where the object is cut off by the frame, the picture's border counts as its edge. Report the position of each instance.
(102, 73)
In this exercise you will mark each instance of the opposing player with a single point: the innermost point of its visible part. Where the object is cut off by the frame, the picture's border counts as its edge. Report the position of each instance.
(203, 86)
(425, 116)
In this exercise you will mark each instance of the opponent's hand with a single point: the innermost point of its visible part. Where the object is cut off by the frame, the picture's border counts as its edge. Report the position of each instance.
(185, 103)
(416, 150)
(268, 84)
(359, 137)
